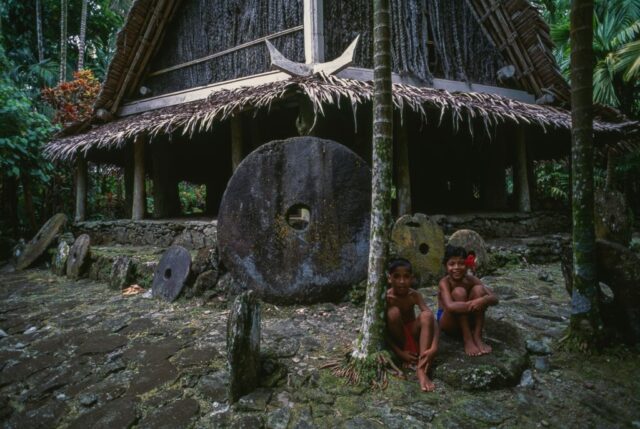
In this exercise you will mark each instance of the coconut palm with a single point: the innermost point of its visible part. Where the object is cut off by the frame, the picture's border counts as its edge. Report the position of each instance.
(616, 36)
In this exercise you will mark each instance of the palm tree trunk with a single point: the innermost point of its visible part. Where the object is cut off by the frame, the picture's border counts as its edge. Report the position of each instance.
(371, 339)
(83, 35)
(585, 305)
(39, 31)
(63, 41)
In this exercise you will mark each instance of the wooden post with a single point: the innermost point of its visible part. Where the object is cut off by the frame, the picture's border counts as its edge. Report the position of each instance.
(520, 173)
(403, 173)
(313, 31)
(81, 189)
(138, 204)
(237, 142)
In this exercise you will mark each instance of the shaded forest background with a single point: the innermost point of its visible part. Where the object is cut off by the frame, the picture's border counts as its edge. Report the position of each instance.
(51, 64)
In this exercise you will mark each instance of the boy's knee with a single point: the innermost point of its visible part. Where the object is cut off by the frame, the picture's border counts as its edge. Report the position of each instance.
(393, 314)
(477, 291)
(426, 317)
(459, 294)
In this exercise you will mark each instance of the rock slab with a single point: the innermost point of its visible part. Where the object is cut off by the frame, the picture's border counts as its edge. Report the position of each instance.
(501, 368)
(243, 345)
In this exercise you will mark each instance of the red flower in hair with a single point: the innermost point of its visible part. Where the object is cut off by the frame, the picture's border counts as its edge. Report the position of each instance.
(470, 262)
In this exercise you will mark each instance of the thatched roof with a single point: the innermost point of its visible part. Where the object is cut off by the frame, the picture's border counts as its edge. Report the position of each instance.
(430, 104)
(514, 26)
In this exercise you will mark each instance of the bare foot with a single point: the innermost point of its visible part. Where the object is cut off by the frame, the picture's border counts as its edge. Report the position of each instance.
(485, 348)
(425, 382)
(471, 349)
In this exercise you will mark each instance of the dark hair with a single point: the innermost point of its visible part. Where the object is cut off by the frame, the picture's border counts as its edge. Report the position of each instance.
(453, 251)
(398, 262)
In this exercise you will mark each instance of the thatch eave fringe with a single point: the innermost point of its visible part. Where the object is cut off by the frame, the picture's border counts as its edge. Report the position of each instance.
(199, 116)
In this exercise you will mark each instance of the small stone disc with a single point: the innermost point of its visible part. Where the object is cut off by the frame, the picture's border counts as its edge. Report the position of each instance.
(171, 273)
(78, 256)
(420, 240)
(471, 240)
(38, 244)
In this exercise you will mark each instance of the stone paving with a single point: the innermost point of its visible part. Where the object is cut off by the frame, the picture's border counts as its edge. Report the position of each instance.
(76, 354)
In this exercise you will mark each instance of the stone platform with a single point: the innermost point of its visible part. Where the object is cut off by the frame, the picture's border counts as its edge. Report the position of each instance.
(200, 233)
(192, 234)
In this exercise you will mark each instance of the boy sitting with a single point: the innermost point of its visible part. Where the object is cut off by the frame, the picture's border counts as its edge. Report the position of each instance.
(462, 302)
(414, 340)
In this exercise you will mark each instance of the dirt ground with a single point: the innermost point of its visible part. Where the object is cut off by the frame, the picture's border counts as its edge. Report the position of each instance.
(77, 354)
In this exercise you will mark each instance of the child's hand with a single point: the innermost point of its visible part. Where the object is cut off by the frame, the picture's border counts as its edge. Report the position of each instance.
(478, 304)
(408, 357)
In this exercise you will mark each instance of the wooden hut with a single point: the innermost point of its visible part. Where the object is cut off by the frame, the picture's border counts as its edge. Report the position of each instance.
(190, 91)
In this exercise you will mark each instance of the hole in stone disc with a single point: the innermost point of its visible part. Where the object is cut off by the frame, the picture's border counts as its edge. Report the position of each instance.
(413, 224)
(167, 274)
(424, 248)
(75, 254)
(298, 217)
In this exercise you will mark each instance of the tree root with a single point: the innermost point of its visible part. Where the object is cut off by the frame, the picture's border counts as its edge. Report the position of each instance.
(372, 370)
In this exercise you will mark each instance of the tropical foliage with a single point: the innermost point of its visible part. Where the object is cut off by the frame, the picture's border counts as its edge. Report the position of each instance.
(616, 45)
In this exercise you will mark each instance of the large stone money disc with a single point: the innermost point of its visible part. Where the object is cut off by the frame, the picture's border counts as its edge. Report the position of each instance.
(420, 240)
(41, 241)
(294, 220)
(78, 256)
(471, 240)
(171, 273)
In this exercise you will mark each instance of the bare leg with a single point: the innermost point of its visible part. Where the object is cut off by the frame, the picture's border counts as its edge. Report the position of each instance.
(450, 322)
(425, 325)
(477, 292)
(395, 334)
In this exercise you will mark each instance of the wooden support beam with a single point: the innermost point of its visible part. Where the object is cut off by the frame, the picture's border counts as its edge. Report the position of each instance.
(237, 142)
(356, 73)
(521, 185)
(313, 31)
(81, 189)
(138, 203)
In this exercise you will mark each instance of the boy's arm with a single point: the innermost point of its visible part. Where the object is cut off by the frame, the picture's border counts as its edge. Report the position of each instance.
(419, 301)
(447, 302)
(489, 298)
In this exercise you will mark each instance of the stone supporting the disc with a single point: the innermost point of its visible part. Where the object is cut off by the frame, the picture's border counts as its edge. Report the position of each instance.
(138, 203)
(520, 173)
(81, 189)
(243, 345)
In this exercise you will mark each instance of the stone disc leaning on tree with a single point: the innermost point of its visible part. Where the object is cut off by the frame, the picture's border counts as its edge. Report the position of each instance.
(471, 241)
(420, 240)
(78, 256)
(171, 273)
(42, 240)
